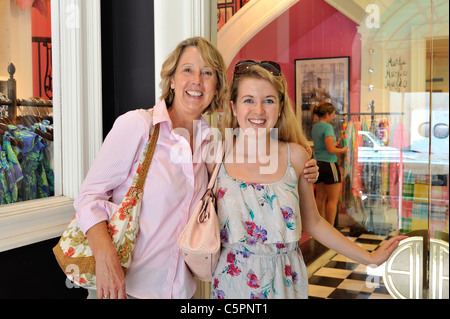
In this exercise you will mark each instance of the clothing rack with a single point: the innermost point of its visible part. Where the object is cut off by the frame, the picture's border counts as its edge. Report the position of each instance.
(30, 117)
(373, 113)
(13, 102)
(371, 172)
(26, 145)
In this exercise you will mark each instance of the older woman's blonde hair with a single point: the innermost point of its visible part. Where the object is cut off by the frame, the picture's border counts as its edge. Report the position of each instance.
(210, 55)
(289, 128)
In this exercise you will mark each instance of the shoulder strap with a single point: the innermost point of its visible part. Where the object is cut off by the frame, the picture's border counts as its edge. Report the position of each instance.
(147, 157)
(219, 158)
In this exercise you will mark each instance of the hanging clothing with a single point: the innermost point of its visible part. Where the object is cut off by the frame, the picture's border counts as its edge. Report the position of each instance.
(5, 196)
(12, 170)
(26, 172)
(383, 132)
(399, 140)
(352, 169)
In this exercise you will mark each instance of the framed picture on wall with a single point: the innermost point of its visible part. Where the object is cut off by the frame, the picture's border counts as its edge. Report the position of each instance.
(318, 80)
(325, 79)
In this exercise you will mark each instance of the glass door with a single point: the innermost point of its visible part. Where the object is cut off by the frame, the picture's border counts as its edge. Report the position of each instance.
(384, 66)
(419, 268)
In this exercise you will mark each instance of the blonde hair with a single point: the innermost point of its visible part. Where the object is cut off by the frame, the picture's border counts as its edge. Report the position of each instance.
(289, 128)
(210, 55)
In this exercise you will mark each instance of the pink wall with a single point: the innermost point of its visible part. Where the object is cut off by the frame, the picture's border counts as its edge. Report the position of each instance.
(309, 29)
(40, 27)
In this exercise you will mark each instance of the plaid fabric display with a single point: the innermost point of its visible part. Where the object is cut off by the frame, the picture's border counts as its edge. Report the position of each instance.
(418, 223)
(409, 178)
(421, 193)
(422, 179)
(408, 191)
(420, 210)
(439, 193)
(439, 212)
(405, 224)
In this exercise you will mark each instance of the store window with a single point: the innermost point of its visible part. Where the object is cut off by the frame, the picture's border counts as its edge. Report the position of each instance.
(26, 93)
(384, 66)
(75, 78)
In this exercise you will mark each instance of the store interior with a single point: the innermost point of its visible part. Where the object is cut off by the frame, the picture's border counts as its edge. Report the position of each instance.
(385, 65)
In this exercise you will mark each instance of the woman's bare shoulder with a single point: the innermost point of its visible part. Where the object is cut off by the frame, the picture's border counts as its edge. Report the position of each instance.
(299, 156)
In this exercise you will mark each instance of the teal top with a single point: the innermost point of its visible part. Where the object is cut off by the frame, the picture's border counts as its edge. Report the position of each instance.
(319, 132)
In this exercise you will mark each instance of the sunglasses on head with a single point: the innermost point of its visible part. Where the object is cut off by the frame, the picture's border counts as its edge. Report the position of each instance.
(242, 66)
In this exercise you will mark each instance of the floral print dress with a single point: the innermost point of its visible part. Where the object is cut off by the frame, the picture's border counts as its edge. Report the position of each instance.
(260, 229)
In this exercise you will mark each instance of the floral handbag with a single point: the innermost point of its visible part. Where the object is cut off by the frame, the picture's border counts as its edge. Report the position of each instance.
(73, 252)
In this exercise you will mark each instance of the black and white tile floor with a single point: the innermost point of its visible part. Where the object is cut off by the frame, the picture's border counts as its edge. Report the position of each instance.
(338, 277)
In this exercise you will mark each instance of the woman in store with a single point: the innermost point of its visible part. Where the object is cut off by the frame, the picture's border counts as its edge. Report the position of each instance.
(326, 148)
(193, 82)
(262, 216)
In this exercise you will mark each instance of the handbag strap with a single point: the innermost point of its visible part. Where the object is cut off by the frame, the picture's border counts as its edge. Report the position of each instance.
(212, 186)
(147, 157)
(213, 179)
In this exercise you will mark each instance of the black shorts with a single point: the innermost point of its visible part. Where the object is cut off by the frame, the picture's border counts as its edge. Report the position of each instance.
(329, 173)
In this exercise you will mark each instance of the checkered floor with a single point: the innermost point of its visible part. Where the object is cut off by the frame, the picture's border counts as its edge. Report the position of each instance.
(343, 278)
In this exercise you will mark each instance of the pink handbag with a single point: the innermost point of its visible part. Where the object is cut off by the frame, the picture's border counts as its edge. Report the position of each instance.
(199, 241)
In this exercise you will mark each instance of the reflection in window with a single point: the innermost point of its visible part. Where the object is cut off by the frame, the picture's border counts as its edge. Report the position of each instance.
(366, 141)
(226, 9)
(440, 130)
(26, 111)
(424, 129)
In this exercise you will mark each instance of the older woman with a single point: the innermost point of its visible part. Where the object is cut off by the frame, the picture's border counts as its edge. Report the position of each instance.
(193, 82)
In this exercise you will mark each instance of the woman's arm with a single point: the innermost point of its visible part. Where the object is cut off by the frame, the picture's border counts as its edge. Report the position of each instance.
(108, 270)
(119, 153)
(322, 231)
(331, 147)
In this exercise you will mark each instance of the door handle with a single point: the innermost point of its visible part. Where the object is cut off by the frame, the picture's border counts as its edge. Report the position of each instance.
(404, 271)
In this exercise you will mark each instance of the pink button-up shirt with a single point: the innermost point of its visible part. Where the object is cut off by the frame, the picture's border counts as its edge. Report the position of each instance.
(175, 182)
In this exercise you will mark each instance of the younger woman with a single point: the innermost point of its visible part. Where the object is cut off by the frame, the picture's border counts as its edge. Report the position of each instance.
(263, 211)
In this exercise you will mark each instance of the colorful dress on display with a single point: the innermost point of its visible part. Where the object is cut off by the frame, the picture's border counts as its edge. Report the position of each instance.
(260, 232)
(26, 171)
(13, 171)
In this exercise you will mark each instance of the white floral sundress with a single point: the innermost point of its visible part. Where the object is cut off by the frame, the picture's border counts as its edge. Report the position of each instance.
(260, 228)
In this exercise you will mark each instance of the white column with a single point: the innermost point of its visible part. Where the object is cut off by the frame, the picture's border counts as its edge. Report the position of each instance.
(176, 20)
(77, 91)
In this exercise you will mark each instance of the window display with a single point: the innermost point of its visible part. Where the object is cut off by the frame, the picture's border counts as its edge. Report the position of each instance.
(64, 93)
(26, 122)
